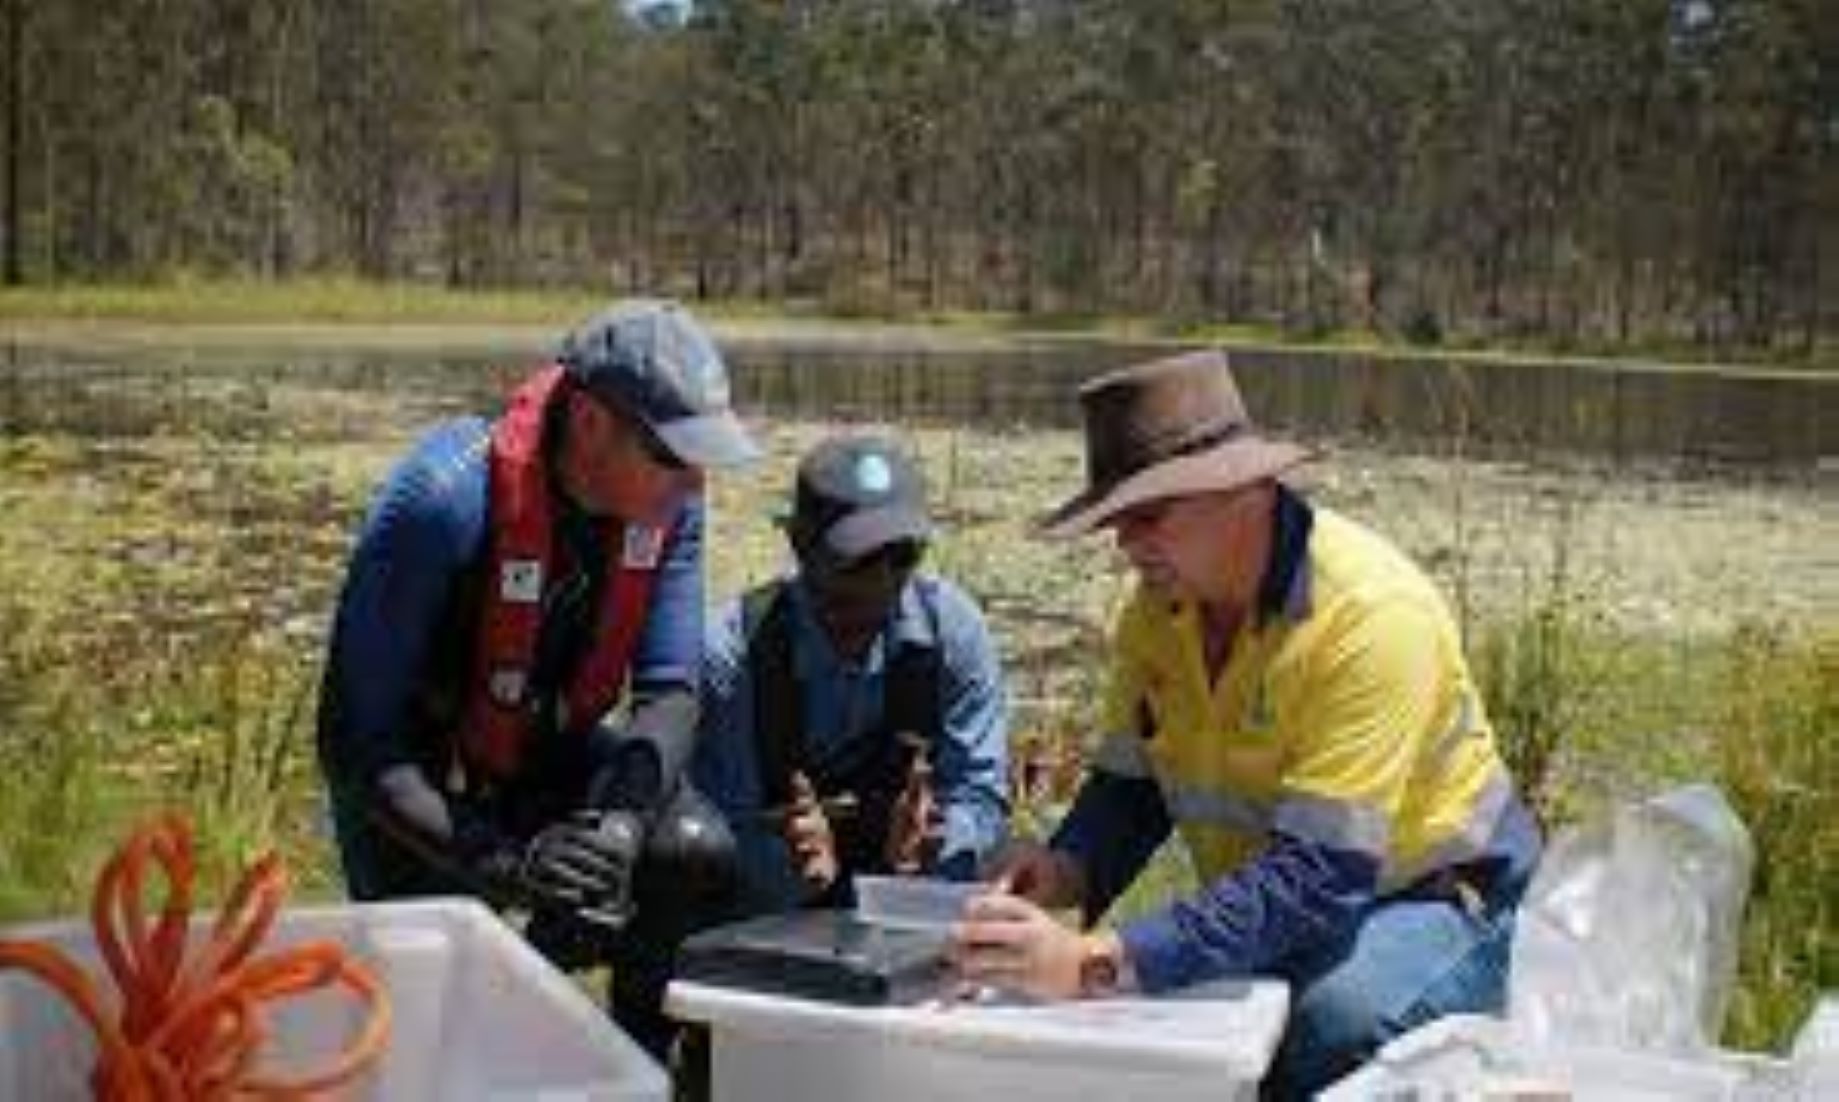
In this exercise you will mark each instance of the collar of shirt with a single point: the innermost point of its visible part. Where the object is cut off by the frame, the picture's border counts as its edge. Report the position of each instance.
(813, 655)
(1285, 590)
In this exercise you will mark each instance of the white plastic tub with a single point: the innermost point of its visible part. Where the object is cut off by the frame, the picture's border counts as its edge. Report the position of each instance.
(1210, 1043)
(478, 1014)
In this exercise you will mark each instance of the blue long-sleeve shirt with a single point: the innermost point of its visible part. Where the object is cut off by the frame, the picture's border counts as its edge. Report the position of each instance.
(843, 702)
(394, 638)
(1296, 894)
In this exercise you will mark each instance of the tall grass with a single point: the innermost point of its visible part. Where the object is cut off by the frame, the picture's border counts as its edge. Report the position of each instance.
(1588, 716)
(217, 731)
(1777, 749)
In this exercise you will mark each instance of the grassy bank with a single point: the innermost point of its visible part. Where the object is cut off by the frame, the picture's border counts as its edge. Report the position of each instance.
(339, 302)
(336, 301)
(165, 594)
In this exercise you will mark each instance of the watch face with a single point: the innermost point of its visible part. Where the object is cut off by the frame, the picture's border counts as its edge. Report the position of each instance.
(1098, 973)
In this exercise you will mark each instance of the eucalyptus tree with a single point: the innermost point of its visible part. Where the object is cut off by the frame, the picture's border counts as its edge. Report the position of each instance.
(12, 221)
(1567, 171)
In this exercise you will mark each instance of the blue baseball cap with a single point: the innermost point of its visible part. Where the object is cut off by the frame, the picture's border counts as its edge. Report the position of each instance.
(650, 359)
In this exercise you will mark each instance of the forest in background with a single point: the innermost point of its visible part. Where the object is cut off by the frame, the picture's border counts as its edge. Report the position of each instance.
(1568, 174)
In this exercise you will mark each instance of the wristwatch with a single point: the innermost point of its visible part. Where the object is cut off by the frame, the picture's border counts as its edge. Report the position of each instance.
(1101, 965)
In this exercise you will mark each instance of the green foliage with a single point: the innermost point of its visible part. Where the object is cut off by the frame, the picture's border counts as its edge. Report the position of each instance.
(1777, 712)
(217, 731)
(1544, 675)
(53, 751)
(1567, 174)
(1588, 715)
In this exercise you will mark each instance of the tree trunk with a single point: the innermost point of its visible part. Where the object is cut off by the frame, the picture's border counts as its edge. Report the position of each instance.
(15, 134)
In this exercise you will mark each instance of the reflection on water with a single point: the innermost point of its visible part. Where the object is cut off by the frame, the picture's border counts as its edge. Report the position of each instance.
(1498, 410)
(246, 396)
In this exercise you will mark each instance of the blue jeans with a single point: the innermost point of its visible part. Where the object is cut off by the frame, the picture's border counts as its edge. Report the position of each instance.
(1409, 962)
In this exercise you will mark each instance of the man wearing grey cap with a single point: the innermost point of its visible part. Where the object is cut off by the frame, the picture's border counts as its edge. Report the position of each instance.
(509, 697)
(854, 715)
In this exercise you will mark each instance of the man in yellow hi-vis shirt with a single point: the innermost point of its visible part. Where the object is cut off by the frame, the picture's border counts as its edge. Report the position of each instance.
(1288, 691)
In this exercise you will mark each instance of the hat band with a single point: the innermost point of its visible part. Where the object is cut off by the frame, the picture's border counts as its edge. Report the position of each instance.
(1189, 444)
(1206, 438)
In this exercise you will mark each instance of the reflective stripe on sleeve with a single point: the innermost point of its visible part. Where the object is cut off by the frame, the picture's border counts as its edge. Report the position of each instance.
(1337, 824)
(1189, 804)
(1467, 844)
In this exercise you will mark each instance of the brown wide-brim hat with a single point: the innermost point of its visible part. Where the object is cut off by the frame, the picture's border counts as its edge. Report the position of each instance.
(1167, 428)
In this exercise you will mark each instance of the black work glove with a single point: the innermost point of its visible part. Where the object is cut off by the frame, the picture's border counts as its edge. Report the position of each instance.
(584, 865)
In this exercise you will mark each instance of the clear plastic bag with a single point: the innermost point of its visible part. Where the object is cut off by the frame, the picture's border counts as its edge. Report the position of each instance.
(1816, 1050)
(1628, 934)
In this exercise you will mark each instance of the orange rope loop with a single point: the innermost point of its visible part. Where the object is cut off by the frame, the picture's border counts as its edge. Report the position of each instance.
(190, 1028)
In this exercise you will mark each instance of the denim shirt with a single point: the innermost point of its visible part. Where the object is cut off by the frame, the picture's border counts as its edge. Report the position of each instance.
(842, 701)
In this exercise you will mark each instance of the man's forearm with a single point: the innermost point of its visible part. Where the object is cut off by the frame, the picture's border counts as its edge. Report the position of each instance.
(410, 802)
(464, 846)
(1293, 895)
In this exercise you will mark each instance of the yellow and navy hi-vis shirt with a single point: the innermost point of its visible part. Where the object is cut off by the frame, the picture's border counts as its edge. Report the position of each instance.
(1344, 734)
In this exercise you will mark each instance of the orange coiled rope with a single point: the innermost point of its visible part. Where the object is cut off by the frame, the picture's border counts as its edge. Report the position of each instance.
(190, 1028)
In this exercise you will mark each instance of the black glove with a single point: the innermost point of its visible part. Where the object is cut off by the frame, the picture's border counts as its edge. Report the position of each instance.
(585, 865)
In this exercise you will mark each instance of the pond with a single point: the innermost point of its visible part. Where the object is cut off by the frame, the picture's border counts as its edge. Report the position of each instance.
(1500, 409)
(1687, 418)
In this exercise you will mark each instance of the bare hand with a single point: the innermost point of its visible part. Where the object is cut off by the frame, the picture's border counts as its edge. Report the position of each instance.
(1047, 877)
(916, 824)
(1006, 941)
(808, 835)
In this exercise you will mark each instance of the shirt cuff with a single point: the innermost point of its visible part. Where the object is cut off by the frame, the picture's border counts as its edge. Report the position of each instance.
(1159, 956)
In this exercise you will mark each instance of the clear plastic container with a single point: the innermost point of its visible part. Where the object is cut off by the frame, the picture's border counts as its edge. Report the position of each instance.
(477, 1014)
(913, 901)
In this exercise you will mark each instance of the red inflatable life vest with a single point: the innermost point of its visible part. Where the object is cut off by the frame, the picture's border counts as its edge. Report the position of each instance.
(500, 712)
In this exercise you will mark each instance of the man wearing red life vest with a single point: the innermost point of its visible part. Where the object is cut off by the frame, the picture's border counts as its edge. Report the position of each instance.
(509, 697)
